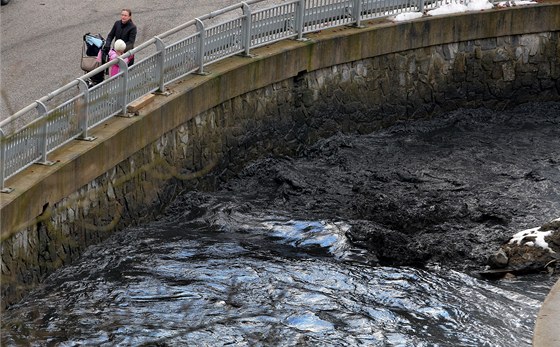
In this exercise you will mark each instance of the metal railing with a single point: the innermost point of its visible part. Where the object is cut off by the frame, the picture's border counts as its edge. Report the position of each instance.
(70, 112)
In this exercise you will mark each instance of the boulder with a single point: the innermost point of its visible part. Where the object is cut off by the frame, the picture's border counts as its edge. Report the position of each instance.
(528, 251)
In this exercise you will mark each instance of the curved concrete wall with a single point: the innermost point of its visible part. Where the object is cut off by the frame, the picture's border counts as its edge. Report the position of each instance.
(548, 320)
(289, 94)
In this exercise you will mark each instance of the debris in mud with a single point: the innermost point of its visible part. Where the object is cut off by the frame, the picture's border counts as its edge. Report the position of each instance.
(530, 250)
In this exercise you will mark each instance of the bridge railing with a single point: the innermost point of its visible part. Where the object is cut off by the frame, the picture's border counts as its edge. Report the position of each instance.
(70, 112)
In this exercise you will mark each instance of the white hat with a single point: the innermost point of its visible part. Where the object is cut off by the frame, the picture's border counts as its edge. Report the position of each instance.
(120, 45)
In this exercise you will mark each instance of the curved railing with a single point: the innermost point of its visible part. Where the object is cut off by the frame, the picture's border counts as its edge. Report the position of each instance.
(70, 112)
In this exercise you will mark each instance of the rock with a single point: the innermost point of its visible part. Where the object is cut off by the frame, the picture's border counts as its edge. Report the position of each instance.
(529, 251)
(554, 225)
(498, 260)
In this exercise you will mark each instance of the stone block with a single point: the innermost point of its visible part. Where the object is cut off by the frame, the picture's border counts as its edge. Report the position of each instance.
(137, 104)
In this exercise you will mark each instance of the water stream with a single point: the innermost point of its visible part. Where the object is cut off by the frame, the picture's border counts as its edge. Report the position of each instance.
(268, 281)
(267, 259)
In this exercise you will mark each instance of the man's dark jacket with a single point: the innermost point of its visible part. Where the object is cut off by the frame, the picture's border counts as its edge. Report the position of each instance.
(125, 32)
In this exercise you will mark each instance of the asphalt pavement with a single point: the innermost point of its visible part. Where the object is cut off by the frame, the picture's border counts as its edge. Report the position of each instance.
(41, 40)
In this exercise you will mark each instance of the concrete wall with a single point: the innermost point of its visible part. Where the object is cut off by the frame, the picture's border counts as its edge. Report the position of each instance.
(291, 93)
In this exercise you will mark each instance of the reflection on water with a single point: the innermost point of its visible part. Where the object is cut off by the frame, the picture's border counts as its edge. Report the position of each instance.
(262, 280)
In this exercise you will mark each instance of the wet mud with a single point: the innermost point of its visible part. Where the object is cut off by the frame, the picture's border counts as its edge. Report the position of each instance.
(449, 190)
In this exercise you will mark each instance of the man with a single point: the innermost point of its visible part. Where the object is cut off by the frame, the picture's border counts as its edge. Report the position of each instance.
(123, 29)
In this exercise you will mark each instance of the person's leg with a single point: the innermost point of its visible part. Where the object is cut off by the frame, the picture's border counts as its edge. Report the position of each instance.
(98, 78)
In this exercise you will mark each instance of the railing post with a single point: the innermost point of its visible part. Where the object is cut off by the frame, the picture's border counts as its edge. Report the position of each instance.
(247, 24)
(43, 147)
(83, 110)
(300, 12)
(160, 46)
(357, 13)
(3, 188)
(420, 6)
(123, 66)
(201, 45)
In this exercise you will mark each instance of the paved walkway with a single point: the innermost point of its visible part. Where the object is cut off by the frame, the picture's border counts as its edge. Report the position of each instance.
(41, 41)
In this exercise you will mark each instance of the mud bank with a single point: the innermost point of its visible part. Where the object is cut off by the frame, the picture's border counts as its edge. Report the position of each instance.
(449, 190)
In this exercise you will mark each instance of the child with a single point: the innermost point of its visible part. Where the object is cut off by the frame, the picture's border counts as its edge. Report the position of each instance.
(116, 52)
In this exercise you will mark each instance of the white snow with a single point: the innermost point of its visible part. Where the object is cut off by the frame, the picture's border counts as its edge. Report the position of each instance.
(458, 7)
(533, 233)
(407, 16)
(515, 3)
(448, 9)
(479, 5)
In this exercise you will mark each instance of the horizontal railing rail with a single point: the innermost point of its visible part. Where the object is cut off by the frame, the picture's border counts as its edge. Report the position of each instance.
(70, 112)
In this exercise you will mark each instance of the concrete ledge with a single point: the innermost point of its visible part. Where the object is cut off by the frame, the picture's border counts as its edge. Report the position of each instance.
(547, 326)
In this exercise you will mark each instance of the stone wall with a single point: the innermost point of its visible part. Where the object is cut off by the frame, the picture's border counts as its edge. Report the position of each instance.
(354, 97)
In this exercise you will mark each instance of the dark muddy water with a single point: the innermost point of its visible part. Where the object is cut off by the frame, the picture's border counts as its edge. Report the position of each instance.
(362, 241)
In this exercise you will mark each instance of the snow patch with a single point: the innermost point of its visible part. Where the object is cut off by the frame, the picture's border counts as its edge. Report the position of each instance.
(459, 7)
(532, 237)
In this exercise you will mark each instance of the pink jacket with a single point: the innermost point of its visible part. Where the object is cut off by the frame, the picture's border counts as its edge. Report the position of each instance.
(113, 70)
